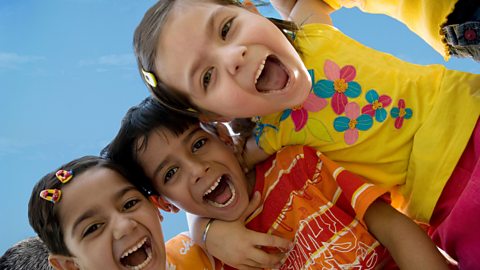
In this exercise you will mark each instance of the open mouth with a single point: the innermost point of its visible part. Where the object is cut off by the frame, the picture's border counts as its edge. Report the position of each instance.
(221, 193)
(271, 75)
(138, 256)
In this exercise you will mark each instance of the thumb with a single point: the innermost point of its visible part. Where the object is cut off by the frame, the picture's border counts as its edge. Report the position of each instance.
(252, 205)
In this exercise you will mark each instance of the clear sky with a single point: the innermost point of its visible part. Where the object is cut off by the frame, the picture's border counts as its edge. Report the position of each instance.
(68, 75)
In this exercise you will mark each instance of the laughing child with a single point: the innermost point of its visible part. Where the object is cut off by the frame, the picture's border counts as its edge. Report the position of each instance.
(333, 217)
(90, 217)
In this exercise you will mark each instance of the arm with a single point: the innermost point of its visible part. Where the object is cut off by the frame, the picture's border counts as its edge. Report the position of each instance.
(304, 11)
(234, 244)
(408, 244)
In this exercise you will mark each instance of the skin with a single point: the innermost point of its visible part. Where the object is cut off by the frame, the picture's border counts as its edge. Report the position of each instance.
(116, 217)
(216, 64)
(183, 168)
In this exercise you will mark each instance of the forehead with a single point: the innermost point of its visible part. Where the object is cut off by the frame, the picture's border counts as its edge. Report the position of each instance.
(91, 189)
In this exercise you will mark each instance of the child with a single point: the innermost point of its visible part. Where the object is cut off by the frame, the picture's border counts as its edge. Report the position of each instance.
(90, 217)
(366, 110)
(306, 198)
(451, 27)
(27, 254)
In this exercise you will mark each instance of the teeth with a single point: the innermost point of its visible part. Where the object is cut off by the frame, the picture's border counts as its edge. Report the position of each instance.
(134, 248)
(229, 201)
(213, 187)
(148, 250)
(260, 69)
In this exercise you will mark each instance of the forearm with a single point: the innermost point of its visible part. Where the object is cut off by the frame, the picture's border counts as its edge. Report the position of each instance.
(196, 227)
(310, 11)
(408, 244)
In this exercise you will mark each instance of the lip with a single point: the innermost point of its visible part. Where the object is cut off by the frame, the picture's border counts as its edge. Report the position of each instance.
(231, 186)
(145, 243)
(258, 72)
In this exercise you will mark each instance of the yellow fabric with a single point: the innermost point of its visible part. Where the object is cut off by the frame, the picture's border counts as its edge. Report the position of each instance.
(415, 160)
(423, 17)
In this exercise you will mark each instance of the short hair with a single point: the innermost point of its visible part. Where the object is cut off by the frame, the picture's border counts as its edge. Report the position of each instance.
(30, 253)
(135, 129)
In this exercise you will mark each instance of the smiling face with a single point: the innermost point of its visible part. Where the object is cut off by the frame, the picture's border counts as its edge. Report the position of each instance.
(195, 171)
(108, 224)
(230, 61)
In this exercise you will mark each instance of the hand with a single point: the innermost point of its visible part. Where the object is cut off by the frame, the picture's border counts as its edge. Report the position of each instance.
(240, 247)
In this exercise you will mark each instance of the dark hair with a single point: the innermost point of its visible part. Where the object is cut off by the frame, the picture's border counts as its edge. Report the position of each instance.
(43, 215)
(136, 127)
(145, 42)
(30, 253)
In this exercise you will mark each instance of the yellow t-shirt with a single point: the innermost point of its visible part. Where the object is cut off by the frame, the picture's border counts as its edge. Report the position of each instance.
(423, 17)
(405, 125)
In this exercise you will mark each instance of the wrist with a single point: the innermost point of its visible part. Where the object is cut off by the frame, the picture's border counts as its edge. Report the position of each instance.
(205, 233)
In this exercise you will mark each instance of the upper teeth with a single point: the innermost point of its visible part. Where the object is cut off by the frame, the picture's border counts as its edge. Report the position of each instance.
(213, 187)
(145, 263)
(134, 248)
(260, 69)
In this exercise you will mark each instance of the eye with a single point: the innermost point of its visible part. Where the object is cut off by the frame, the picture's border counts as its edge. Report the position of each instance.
(170, 173)
(130, 203)
(206, 78)
(91, 229)
(226, 28)
(199, 144)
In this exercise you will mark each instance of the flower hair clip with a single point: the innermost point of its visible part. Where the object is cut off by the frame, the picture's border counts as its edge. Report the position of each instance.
(149, 78)
(51, 195)
(54, 195)
(64, 176)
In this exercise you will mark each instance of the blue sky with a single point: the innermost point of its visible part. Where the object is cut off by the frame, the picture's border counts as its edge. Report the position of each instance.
(68, 75)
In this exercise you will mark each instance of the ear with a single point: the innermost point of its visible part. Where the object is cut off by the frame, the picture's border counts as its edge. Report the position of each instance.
(60, 262)
(163, 204)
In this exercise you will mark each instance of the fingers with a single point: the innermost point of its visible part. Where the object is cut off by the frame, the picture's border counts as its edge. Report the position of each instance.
(275, 243)
(262, 259)
(252, 205)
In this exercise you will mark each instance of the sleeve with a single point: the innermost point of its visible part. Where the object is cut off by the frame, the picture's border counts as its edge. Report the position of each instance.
(337, 4)
(182, 253)
(355, 188)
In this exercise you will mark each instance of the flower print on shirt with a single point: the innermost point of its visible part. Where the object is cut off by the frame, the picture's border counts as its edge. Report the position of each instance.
(377, 105)
(299, 114)
(352, 122)
(339, 86)
(400, 113)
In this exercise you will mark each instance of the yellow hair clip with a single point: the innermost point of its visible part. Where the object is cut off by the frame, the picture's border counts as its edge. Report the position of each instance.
(149, 78)
(192, 110)
(51, 195)
(64, 176)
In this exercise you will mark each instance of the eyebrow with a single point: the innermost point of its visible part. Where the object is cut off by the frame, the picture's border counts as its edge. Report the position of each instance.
(210, 28)
(184, 141)
(92, 212)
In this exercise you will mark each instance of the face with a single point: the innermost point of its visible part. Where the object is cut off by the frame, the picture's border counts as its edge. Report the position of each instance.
(230, 61)
(108, 224)
(197, 172)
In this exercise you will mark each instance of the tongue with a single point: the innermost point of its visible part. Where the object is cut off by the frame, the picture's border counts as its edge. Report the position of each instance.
(221, 194)
(136, 258)
(273, 76)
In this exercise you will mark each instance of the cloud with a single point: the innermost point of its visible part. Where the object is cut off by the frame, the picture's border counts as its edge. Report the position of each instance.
(14, 61)
(113, 60)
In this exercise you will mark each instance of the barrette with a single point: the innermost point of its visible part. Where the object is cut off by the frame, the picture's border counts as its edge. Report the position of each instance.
(149, 78)
(64, 176)
(192, 110)
(51, 195)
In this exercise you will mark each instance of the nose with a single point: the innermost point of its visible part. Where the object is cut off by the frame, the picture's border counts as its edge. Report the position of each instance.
(198, 168)
(234, 57)
(123, 225)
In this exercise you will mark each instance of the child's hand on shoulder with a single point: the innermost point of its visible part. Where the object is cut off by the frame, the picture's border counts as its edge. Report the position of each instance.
(239, 247)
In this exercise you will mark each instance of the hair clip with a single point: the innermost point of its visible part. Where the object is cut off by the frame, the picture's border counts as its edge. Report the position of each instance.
(192, 110)
(51, 195)
(149, 78)
(64, 176)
